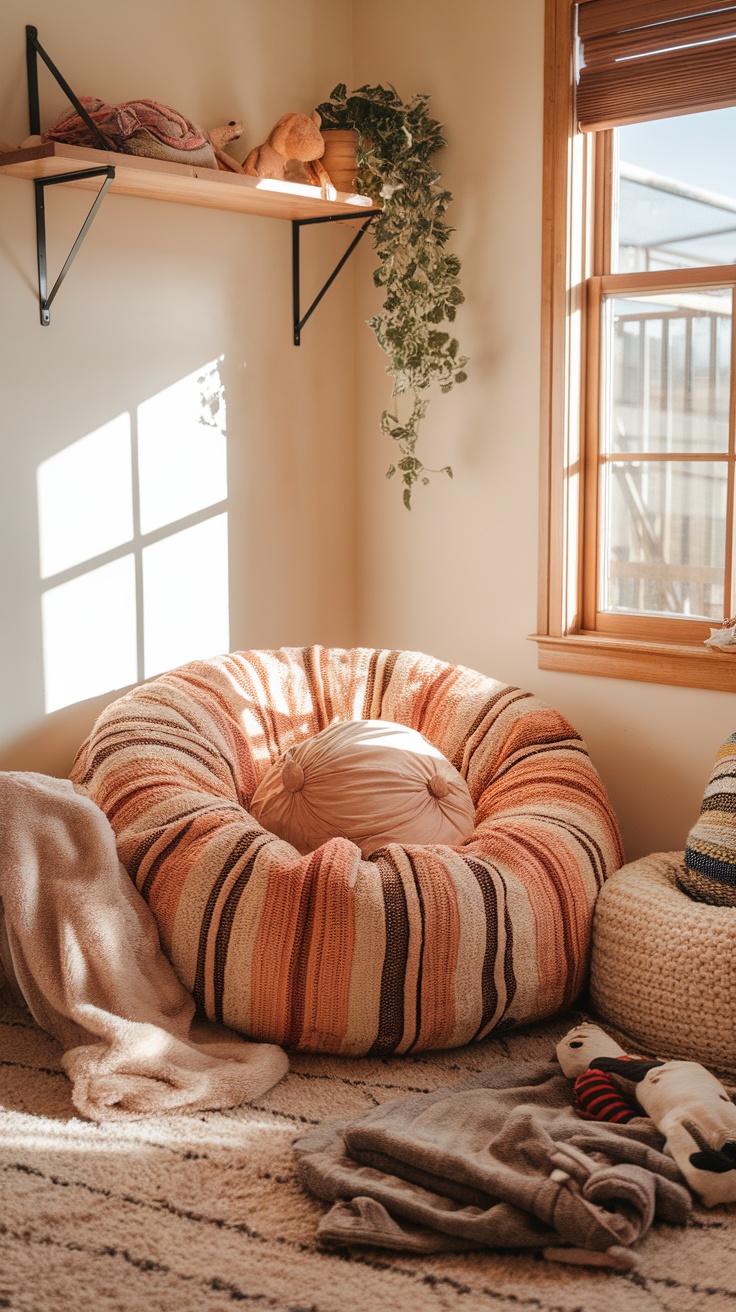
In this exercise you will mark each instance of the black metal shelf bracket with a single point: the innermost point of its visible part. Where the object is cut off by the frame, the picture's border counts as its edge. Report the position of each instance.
(45, 297)
(33, 50)
(296, 226)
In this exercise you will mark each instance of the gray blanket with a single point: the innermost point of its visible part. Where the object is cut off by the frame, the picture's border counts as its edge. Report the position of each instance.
(501, 1161)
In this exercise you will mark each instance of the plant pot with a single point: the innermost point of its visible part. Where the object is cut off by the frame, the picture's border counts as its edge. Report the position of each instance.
(339, 157)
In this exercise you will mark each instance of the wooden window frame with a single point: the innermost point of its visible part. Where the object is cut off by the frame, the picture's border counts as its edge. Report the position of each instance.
(576, 174)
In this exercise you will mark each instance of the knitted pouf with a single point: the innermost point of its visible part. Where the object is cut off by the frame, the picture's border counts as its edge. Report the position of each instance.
(419, 946)
(664, 966)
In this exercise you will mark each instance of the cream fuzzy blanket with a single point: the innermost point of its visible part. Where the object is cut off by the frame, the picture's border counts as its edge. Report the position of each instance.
(81, 946)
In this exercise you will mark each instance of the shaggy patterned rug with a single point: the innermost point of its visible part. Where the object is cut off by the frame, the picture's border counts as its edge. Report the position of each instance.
(194, 1214)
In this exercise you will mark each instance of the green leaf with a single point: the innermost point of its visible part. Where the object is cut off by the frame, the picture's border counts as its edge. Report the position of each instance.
(418, 278)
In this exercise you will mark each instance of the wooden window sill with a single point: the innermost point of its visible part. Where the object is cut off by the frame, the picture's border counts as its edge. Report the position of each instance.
(629, 658)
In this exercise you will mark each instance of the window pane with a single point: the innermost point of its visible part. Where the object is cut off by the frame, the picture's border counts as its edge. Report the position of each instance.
(85, 498)
(89, 634)
(666, 372)
(181, 449)
(675, 186)
(185, 596)
(664, 538)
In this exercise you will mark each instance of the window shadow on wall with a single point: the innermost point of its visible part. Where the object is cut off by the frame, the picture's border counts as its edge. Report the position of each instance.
(133, 544)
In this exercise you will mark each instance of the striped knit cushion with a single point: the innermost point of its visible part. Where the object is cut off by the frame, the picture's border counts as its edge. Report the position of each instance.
(418, 947)
(710, 852)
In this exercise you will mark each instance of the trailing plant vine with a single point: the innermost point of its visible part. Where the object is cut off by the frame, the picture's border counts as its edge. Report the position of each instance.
(420, 279)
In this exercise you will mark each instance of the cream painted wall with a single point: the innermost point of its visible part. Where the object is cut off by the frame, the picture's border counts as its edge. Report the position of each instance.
(158, 290)
(457, 577)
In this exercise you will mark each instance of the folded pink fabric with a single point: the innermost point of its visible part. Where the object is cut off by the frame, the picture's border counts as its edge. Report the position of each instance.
(137, 127)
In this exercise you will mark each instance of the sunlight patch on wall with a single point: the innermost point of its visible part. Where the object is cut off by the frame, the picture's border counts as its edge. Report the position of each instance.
(133, 544)
(89, 634)
(185, 596)
(181, 449)
(85, 498)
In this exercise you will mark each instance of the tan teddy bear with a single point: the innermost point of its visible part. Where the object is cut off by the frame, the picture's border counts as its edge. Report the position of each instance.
(220, 138)
(291, 153)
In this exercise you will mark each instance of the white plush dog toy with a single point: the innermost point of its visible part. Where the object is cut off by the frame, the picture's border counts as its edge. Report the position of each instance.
(688, 1105)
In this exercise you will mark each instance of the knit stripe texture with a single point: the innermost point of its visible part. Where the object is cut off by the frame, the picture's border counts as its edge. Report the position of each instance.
(710, 851)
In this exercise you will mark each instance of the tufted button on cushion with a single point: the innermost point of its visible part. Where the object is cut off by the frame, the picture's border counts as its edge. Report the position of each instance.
(420, 946)
(292, 775)
(438, 786)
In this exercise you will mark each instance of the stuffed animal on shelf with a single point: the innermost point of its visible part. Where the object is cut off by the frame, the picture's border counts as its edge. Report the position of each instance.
(292, 153)
(220, 137)
(688, 1105)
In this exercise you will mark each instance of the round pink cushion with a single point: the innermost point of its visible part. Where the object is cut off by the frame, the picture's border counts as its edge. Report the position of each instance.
(372, 781)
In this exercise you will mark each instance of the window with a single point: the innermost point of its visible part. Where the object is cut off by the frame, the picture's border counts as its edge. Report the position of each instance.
(639, 387)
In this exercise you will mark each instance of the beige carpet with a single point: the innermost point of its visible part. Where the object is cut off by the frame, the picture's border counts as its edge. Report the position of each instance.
(197, 1214)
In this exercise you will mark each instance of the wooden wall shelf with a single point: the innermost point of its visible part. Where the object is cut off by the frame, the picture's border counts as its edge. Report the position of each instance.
(153, 179)
(101, 170)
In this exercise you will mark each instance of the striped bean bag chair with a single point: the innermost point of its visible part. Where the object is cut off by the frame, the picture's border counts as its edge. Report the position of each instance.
(418, 947)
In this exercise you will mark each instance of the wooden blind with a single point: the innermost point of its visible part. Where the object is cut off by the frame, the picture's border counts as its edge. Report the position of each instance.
(643, 59)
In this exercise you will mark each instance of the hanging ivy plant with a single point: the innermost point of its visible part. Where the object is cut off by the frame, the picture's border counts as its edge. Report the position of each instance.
(420, 279)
